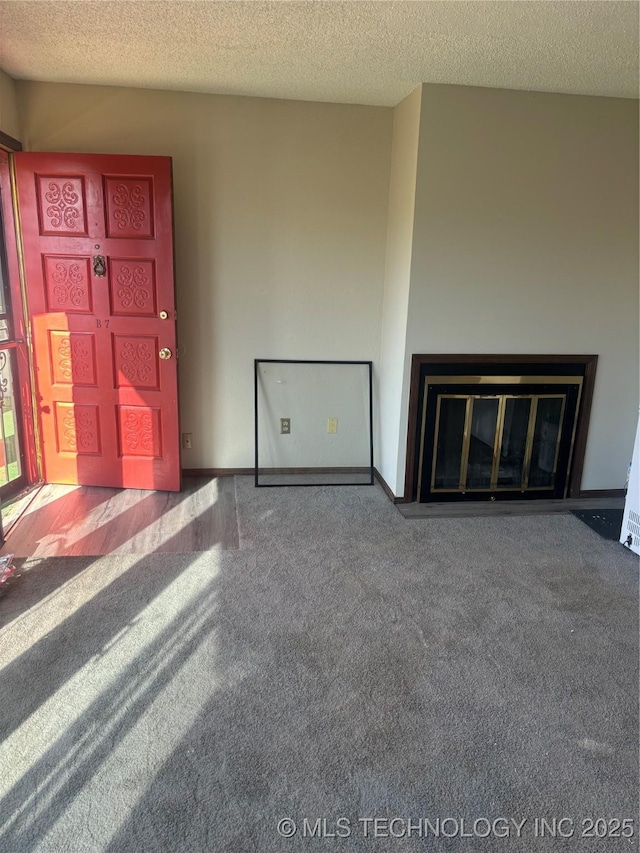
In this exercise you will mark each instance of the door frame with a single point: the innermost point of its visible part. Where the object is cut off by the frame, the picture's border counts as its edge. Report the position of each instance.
(19, 314)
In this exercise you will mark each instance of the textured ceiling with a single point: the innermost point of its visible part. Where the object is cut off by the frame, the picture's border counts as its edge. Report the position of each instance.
(353, 52)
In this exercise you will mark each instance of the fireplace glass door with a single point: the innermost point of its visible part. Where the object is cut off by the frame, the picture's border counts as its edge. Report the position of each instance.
(498, 441)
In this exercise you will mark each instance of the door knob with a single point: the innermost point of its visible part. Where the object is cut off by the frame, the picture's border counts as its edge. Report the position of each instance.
(164, 315)
(165, 353)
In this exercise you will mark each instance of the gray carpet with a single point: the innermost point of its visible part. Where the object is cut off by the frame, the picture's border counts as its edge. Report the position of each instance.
(343, 664)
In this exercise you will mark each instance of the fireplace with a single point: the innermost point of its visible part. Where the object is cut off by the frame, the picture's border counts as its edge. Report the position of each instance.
(497, 427)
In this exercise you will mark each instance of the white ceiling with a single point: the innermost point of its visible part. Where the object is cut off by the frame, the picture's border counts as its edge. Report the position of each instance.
(353, 52)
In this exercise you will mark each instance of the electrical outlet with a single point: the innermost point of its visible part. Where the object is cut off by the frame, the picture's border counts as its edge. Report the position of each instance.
(332, 425)
(285, 426)
(187, 441)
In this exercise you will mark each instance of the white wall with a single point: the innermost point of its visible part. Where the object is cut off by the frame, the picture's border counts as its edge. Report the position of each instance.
(9, 120)
(310, 394)
(526, 241)
(392, 390)
(280, 211)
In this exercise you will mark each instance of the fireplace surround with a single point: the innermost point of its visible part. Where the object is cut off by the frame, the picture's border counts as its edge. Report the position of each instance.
(497, 427)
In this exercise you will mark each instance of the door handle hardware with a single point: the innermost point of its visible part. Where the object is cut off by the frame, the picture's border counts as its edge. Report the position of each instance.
(164, 315)
(165, 353)
(99, 266)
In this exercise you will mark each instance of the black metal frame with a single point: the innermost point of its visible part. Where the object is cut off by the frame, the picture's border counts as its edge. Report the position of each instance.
(258, 361)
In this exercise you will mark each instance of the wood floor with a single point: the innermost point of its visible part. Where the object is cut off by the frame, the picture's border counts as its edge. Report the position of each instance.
(90, 521)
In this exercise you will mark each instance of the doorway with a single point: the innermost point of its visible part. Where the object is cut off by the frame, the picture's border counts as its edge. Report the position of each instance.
(17, 450)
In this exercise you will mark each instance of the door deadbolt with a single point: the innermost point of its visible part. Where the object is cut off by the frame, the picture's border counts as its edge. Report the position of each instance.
(165, 353)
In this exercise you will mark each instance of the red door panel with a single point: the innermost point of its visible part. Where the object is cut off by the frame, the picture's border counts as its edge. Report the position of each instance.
(97, 234)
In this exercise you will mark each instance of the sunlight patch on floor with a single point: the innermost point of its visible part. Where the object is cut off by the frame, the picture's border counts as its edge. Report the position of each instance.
(87, 731)
(41, 619)
(172, 520)
(83, 521)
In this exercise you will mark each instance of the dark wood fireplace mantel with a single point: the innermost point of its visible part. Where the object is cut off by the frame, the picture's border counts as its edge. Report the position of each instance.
(459, 365)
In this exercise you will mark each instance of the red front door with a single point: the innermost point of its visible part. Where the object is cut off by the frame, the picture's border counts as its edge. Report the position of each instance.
(97, 236)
